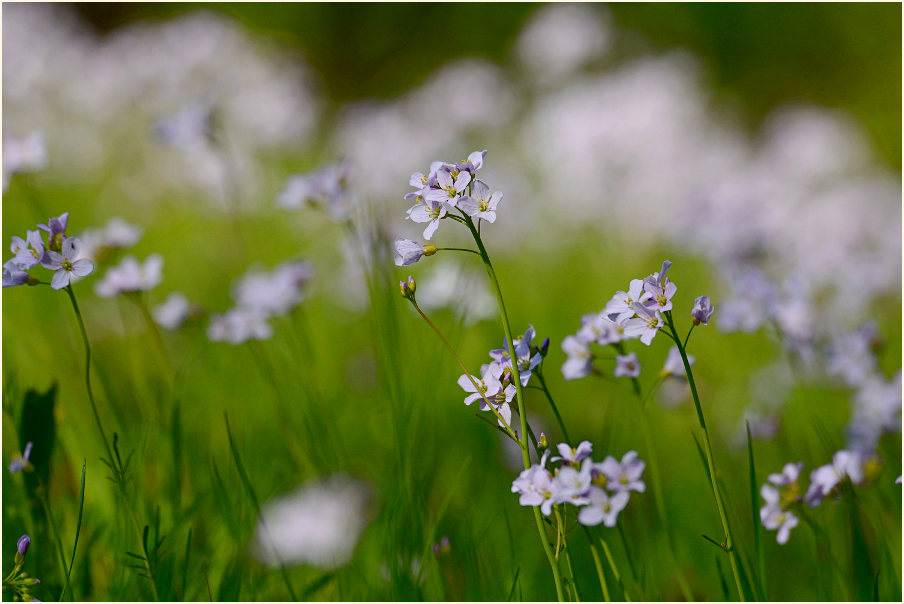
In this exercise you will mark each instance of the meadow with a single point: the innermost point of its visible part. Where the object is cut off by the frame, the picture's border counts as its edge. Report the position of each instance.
(244, 308)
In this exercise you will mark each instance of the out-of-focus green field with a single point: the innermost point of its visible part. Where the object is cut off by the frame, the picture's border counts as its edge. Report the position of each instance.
(363, 387)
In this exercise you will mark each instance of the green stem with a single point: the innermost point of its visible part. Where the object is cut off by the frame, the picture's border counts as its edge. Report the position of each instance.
(552, 404)
(456, 249)
(707, 446)
(525, 453)
(508, 428)
(81, 325)
(566, 551)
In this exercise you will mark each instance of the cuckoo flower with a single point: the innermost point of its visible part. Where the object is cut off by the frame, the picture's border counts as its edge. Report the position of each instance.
(624, 476)
(621, 307)
(660, 289)
(702, 311)
(480, 204)
(774, 517)
(56, 229)
(645, 325)
(30, 252)
(408, 252)
(602, 507)
(66, 264)
(430, 211)
(13, 275)
(449, 187)
(627, 365)
(579, 363)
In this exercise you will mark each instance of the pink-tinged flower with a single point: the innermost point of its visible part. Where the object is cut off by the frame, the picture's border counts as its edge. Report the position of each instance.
(703, 310)
(674, 366)
(570, 454)
(431, 212)
(645, 325)
(449, 187)
(480, 204)
(20, 462)
(31, 253)
(624, 476)
(603, 508)
(13, 275)
(790, 473)
(774, 517)
(660, 289)
(408, 252)
(66, 264)
(621, 307)
(627, 365)
(579, 362)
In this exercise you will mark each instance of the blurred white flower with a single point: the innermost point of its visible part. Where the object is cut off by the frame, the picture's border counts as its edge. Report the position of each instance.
(118, 234)
(173, 312)
(318, 524)
(28, 154)
(239, 325)
(131, 276)
(275, 292)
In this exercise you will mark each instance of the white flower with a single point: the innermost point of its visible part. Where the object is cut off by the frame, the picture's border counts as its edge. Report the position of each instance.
(627, 365)
(603, 508)
(173, 312)
(579, 362)
(774, 517)
(825, 478)
(674, 366)
(318, 524)
(131, 276)
(275, 292)
(239, 325)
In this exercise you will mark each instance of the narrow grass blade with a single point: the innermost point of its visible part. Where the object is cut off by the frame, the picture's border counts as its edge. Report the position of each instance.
(755, 517)
(246, 482)
(726, 595)
(515, 584)
(317, 585)
(78, 530)
(185, 565)
(860, 553)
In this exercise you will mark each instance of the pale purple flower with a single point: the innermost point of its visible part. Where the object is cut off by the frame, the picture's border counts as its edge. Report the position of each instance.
(660, 289)
(579, 363)
(173, 312)
(571, 454)
(624, 475)
(56, 227)
(526, 361)
(534, 487)
(572, 485)
(599, 328)
(187, 128)
(789, 474)
(674, 365)
(66, 264)
(19, 463)
(22, 544)
(116, 235)
(239, 325)
(449, 188)
(28, 154)
(898, 480)
(431, 212)
(326, 188)
(645, 325)
(408, 252)
(774, 517)
(31, 253)
(488, 384)
(480, 204)
(603, 508)
(621, 307)
(876, 410)
(131, 276)
(627, 365)
(825, 478)
(13, 275)
(702, 311)
(473, 163)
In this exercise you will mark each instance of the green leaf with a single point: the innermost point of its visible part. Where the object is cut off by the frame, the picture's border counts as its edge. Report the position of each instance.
(755, 517)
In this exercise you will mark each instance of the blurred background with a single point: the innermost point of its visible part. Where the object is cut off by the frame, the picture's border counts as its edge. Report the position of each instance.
(758, 147)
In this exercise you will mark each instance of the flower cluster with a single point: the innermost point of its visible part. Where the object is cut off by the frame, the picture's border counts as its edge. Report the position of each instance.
(326, 188)
(259, 296)
(632, 314)
(782, 492)
(59, 253)
(600, 490)
(17, 581)
(449, 186)
(494, 386)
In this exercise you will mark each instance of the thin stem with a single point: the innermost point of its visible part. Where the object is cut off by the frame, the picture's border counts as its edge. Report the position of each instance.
(461, 364)
(525, 453)
(689, 332)
(552, 404)
(614, 568)
(599, 565)
(707, 446)
(457, 249)
(81, 325)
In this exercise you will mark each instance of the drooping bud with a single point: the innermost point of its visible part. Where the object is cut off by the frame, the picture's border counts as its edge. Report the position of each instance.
(703, 310)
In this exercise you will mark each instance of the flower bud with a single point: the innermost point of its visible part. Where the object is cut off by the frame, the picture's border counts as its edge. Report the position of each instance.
(429, 250)
(23, 543)
(544, 348)
(32, 281)
(407, 288)
(544, 442)
(703, 310)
